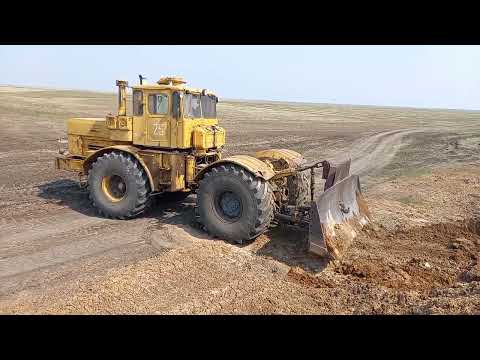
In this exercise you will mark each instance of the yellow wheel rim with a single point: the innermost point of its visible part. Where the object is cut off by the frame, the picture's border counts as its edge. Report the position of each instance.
(114, 188)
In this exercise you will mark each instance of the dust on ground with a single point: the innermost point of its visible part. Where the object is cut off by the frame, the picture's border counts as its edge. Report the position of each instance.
(418, 169)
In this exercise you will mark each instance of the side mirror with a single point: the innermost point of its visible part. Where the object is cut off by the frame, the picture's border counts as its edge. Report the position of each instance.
(176, 105)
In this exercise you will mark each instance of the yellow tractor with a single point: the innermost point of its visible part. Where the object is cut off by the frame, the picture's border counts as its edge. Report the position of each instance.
(171, 143)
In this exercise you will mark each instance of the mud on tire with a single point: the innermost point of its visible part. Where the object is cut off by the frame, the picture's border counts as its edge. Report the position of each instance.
(234, 205)
(118, 186)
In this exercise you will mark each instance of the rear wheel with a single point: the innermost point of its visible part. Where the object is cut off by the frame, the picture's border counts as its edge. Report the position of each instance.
(118, 186)
(233, 204)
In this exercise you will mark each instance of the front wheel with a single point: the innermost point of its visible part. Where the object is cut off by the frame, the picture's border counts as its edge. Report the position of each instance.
(233, 204)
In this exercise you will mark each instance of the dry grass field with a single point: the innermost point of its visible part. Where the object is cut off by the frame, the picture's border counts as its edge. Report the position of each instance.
(419, 170)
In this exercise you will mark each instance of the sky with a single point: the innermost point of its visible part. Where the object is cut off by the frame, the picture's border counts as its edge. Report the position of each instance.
(416, 76)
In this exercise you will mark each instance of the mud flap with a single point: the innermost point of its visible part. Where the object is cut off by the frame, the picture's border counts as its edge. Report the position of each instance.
(336, 217)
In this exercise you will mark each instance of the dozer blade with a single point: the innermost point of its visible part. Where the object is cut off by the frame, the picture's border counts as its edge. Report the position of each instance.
(336, 217)
(335, 173)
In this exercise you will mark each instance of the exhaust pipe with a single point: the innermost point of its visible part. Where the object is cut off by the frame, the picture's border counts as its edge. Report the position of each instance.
(122, 97)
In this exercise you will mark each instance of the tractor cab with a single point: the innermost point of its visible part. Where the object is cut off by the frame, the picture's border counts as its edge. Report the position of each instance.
(168, 114)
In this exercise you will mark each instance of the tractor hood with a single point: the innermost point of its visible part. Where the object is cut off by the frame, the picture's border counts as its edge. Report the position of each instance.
(87, 127)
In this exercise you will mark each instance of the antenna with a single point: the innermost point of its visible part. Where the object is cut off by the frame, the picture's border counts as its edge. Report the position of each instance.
(141, 78)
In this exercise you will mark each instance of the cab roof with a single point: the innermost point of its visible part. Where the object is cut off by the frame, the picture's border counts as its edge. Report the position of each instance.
(171, 83)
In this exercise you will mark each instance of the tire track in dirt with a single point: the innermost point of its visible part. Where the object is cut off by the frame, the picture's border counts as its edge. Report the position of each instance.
(37, 233)
(49, 229)
(81, 246)
(370, 154)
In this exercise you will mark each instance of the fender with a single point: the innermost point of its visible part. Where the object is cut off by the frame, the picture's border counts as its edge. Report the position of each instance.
(253, 165)
(132, 150)
(292, 158)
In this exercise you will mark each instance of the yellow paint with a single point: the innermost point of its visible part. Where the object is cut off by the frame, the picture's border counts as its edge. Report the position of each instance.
(289, 156)
(95, 127)
(203, 137)
(106, 186)
(152, 130)
(281, 159)
(250, 163)
(191, 131)
(190, 168)
(69, 164)
(168, 148)
(177, 172)
(122, 97)
(132, 150)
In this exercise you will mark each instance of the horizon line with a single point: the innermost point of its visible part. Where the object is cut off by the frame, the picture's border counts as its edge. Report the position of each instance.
(45, 87)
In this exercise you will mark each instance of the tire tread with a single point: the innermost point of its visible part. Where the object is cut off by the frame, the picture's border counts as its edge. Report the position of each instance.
(141, 180)
(260, 219)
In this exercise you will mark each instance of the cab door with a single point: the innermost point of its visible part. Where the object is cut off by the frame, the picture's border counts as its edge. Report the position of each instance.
(158, 118)
(139, 117)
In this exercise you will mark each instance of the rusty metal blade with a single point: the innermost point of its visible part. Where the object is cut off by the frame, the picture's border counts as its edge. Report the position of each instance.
(342, 171)
(336, 173)
(336, 217)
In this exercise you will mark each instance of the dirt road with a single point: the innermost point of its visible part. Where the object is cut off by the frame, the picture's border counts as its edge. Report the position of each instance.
(57, 255)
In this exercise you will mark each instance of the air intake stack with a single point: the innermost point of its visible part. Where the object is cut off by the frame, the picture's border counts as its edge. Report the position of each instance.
(122, 97)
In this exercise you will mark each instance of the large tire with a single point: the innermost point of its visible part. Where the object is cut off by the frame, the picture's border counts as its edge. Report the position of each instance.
(118, 186)
(234, 205)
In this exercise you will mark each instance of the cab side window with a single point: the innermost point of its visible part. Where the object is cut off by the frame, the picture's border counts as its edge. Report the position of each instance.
(137, 103)
(158, 104)
(191, 106)
(209, 106)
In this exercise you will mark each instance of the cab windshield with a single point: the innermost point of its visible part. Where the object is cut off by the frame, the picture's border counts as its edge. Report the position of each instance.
(199, 106)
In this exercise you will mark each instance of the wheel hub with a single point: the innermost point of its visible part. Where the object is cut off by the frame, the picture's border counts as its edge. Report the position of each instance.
(114, 187)
(230, 205)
